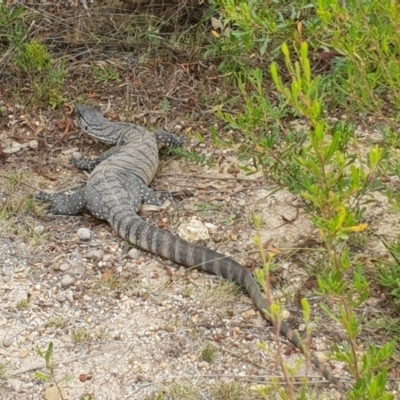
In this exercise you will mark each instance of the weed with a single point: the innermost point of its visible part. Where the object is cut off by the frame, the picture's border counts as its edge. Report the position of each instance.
(193, 155)
(105, 73)
(23, 304)
(112, 281)
(209, 353)
(181, 392)
(33, 57)
(229, 391)
(224, 292)
(204, 207)
(166, 105)
(80, 335)
(50, 375)
(87, 397)
(11, 28)
(187, 292)
(46, 76)
(17, 208)
(389, 272)
(3, 369)
(57, 323)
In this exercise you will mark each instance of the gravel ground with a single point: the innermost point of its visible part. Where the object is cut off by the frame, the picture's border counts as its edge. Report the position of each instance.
(126, 324)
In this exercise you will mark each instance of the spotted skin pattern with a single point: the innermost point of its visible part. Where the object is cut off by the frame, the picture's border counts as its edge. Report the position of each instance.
(117, 187)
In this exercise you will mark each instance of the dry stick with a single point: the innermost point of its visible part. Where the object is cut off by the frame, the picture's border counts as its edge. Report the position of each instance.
(244, 359)
(83, 357)
(231, 191)
(272, 380)
(215, 177)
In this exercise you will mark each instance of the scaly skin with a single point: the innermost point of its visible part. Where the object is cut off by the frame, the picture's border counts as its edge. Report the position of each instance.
(117, 187)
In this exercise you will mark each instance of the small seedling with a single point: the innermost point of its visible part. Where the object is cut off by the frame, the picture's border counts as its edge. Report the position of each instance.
(57, 323)
(50, 375)
(187, 292)
(209, 353)
(80, 335)
(3, 369)
(23, 304)
(105, 73)
(192, 156)
(165, 105)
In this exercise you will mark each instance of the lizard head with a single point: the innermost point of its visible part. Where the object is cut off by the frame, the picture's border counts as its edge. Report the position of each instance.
(93, 123)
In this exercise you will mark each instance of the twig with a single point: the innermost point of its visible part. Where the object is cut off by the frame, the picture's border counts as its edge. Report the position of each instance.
(64, 362)
(244, 359)
(214, 177)
(136, 390)
(298, 380)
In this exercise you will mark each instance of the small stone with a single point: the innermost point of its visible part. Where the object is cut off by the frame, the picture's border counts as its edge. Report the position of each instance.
(193, 231)
(39, 229)
(64, 267)
(24, 353)
(126, 274)
(301, 328)
(68, 280)
(104, 264)
(7, 343)
(249, 314)
(96, 255)
(15, 147)
(77, 155)
(178, 128)
(84, 233)
(61, 297)
(53, 393)
(133, 254)
(169, 328)
(33, 144)
(321, 356)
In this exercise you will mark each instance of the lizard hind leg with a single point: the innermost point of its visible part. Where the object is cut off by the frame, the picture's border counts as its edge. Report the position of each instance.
(65, 205)
(140, 193)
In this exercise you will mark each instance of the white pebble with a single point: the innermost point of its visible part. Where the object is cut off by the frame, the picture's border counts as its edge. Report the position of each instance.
(61, 297)
(68, 280)
(84, 233)
(77, 155)
(96, 255)
(64, 267)
(133, 253)
(39, 229)
(33, 144)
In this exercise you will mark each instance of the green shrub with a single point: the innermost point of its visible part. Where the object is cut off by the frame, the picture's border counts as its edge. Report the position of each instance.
(46, 77)
(33, 57)
(358, 40)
